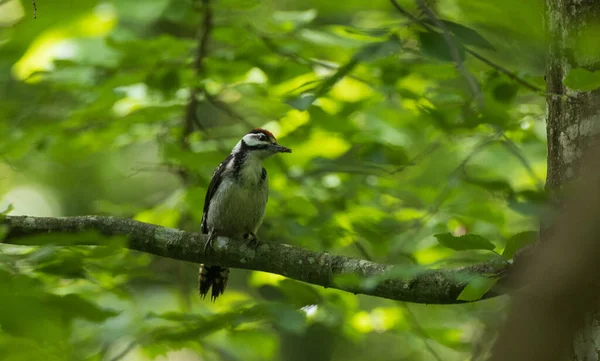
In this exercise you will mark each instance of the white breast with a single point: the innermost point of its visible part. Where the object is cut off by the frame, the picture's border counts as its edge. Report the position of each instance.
(239, 204)
(250, 174)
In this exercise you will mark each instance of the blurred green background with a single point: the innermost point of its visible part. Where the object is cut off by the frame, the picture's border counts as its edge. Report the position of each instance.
(390, 146)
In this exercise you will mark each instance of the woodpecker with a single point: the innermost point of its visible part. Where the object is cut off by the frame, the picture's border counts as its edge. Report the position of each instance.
(235, 201)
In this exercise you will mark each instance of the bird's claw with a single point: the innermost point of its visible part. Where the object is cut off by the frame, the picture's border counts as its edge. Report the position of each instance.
(209, 242)
(252, 240)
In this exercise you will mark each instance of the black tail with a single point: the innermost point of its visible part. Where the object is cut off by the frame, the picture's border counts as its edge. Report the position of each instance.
(215, 276)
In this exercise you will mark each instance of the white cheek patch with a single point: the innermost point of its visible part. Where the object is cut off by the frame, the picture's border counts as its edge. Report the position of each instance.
(252, 140)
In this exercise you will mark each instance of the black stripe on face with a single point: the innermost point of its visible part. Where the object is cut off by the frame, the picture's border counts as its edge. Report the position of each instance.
(245, 149)
(260, 146)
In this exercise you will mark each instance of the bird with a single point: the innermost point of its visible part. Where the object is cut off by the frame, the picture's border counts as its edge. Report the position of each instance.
(235, 201)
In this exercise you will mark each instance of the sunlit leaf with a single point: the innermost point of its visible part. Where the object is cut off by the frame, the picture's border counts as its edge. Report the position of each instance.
(297, 17)
(8, 209)
(476, 288)
(582, 79)
(435, 45)
(369, 52)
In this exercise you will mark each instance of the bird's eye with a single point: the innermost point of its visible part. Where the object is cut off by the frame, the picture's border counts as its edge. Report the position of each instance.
(262, 137)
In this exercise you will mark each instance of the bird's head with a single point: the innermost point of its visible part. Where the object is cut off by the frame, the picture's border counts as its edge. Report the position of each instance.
(260, 143)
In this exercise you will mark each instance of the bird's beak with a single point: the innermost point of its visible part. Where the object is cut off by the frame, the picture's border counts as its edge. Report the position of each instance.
(280, 148)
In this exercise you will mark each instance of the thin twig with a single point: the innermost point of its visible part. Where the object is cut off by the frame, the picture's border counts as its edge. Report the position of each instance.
(428, 150)
(370, 169)
(34, 9)
(478, 56)
(191, 118)
(225, 108)
(506, 72)
(452, 47)
(514, 149)
(456, 172)
(125, 351)
(271, 45)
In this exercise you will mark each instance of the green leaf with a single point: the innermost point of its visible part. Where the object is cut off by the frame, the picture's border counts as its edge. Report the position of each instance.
(466, 242)
(298, 293)
(167, 80)
(449, 337)
(66, 266)
(528, 202)
(518, 241)
(296, 17)
(76, 306)
(3, 231)
(468, 35)
(8, 209)
(379, 50)
(367, 53)
(435, 45)
(476, 288)
(582, 79)
(496, 185)
(303, 101)
(69, 239)
(505, 92)
(287, 318)
(347, 280)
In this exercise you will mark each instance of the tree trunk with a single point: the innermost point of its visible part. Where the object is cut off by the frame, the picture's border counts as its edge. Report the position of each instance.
(573, 118)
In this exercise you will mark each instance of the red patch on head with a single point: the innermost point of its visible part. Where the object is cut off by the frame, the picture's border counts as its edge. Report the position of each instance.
(264, 131)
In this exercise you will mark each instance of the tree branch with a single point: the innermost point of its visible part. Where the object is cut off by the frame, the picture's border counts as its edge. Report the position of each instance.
(428, 286)
(191, 118)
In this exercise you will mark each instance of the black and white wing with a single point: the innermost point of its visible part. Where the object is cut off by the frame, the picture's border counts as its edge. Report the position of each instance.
(212, 189)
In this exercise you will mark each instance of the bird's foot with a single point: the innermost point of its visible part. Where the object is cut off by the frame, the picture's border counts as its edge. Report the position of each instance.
(209, 241)
(252, 240)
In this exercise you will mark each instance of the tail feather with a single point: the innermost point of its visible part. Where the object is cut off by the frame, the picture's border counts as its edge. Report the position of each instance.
(212, 276)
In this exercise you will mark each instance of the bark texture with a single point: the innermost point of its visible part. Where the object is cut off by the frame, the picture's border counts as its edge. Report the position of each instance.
(426, 286)
(573, 118)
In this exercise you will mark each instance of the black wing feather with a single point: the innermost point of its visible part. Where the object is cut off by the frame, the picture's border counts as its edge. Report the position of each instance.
(263, 177)
(212, 189)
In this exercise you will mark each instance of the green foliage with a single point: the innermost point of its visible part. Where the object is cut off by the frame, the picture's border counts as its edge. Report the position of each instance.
(518, 241)
(391, 146)
(434, 45)
(461, 243)
(476, 288)
(582, 79)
